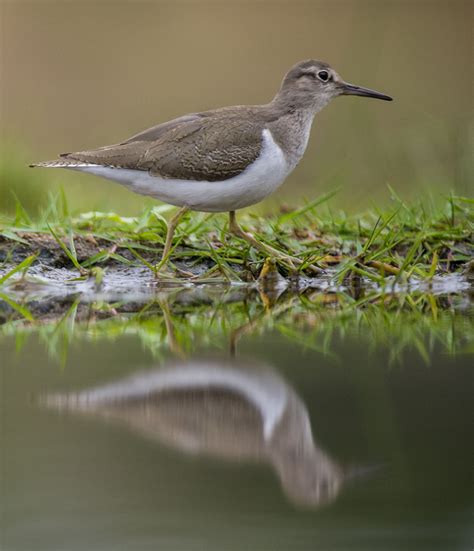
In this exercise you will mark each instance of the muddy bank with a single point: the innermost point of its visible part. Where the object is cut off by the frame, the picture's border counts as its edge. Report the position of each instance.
(49, 293)
(114, 253)
(51, 284)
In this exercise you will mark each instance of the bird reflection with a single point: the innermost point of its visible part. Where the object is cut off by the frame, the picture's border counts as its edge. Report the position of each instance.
(230, 410)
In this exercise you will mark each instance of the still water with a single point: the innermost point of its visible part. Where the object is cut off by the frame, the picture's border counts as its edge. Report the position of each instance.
(185, 432)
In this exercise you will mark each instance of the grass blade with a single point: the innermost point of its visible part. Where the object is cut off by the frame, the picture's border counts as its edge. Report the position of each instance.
(22, 266)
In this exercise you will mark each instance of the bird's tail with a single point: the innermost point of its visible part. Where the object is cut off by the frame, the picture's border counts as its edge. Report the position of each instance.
(61, 163)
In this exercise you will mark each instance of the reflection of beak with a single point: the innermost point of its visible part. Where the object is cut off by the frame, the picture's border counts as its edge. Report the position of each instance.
(352, 90)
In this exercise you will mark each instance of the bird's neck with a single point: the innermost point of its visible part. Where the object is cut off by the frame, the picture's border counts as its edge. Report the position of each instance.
(290, 126)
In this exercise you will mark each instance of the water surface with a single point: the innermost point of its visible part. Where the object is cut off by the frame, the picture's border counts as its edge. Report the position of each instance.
(263, 428)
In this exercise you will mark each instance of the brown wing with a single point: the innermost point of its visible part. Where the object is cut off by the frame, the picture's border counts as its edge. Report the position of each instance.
(209, 146)
(156, 132)
(213, 148)
(127, 153)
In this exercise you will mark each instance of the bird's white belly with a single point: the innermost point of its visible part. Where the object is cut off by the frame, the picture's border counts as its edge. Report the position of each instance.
(257, 181)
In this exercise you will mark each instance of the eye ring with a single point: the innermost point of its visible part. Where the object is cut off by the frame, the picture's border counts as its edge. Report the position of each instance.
(324, 76)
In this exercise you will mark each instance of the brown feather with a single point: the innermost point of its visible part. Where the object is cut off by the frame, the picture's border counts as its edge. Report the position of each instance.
(212, 146)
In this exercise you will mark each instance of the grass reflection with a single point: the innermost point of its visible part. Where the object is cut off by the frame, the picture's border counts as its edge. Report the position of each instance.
(182, 320)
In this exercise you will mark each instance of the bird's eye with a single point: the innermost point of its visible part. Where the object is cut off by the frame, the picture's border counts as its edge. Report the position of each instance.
(323, 75)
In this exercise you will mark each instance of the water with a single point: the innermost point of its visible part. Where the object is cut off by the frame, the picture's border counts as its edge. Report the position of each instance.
(234, 425)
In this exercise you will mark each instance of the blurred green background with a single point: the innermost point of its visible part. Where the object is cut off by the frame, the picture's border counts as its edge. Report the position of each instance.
(77, 75)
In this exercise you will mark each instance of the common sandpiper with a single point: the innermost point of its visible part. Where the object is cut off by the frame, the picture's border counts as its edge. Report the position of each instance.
(224, 159)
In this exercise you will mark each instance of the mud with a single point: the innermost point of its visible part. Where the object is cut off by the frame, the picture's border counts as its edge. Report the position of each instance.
(51, 284)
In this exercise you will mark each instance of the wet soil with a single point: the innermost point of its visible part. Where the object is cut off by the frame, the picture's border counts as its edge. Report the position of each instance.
(52, 284)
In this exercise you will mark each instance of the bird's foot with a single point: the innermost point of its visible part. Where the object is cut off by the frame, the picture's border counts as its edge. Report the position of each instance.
(292, 261)
(296, 263)
(163, 272)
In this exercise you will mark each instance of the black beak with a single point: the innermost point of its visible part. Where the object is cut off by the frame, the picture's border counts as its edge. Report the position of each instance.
(352, 90)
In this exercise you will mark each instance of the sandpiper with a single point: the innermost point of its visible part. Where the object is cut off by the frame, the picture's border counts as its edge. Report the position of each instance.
(225, 159)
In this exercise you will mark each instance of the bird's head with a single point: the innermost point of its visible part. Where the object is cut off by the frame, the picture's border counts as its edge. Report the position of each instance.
(313, 84)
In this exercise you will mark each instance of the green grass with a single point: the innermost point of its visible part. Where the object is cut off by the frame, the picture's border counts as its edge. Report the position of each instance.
(404, 241)
(368, 253)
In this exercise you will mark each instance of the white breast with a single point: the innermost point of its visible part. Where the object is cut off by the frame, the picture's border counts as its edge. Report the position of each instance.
(257, 181)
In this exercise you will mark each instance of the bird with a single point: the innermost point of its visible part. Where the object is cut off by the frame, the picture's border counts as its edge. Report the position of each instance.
(224, 159)
(230, 410)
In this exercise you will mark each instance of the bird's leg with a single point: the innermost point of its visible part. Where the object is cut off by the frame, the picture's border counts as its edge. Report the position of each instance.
(239, 232)
(172, 224)
(267, 249)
